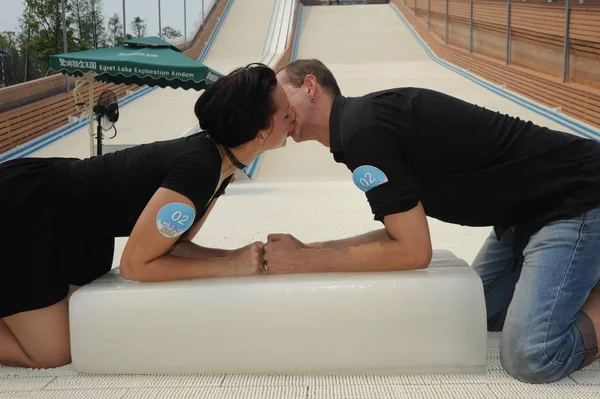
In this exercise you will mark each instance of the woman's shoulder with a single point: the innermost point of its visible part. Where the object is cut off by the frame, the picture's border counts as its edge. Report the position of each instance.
(196, 171)
(201, 143)
(194, 150)
(200, 152)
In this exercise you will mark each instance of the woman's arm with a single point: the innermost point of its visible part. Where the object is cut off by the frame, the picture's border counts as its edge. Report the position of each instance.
(187, 249)
(166, 217)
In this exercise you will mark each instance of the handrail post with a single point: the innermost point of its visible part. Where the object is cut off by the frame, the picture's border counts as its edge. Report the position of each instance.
(508, 3)
(447, 22)
(566, 54)
(471, 29)
(428, 15)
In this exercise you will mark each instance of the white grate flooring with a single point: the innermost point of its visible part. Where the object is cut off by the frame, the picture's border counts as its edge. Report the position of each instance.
(65, 383)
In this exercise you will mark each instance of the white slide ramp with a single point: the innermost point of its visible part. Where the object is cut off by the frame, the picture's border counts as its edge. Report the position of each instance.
(242, 36)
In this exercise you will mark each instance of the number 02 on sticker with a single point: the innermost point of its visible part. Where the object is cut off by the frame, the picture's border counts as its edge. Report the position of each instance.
(367, 177)
(174, 219)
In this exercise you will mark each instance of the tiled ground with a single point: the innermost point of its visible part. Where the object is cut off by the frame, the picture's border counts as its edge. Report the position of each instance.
(65, 383)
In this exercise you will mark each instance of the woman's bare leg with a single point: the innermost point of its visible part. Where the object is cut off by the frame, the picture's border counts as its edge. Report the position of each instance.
(11, 353)
(37, 338)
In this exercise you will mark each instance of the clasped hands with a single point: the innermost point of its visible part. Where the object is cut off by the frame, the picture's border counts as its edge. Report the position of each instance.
(281, 254)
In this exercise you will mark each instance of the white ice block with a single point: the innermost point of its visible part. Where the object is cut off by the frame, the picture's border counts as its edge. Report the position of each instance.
(410, 322)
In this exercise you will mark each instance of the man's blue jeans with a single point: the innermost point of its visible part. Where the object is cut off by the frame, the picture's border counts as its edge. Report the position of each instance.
(537, 305)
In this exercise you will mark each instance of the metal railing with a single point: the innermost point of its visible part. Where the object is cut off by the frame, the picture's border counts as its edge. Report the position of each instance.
(566, 5)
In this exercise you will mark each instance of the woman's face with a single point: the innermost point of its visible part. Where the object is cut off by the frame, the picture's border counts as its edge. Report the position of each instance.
(282, 123)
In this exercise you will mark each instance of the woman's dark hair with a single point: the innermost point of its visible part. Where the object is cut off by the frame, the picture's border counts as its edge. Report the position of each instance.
(236, 107)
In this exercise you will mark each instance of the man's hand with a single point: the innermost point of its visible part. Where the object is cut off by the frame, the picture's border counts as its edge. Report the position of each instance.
(283, 253)
(405, 244)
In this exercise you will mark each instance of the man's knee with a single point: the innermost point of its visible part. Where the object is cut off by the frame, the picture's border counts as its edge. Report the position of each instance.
(535, 363)
(528, 368)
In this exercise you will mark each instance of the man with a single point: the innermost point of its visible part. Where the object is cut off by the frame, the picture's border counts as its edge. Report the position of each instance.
(417, 153)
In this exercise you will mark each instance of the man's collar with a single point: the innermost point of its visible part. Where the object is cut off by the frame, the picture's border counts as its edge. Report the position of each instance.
(335, 120)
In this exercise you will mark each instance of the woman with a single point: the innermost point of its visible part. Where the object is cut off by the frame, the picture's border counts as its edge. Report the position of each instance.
(65, 213)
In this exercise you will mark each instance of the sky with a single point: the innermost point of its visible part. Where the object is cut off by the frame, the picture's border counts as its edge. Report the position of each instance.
(171, 13)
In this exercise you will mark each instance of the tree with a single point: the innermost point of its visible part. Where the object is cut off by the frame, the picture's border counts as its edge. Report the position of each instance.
(14, 61)
(42, 19)
(138, 27)
(170, 33)
(115, 30)
(41, 35)
(81, 17)
(96, 18)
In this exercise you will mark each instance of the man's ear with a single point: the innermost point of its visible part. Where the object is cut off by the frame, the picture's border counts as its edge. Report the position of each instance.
(310, 82)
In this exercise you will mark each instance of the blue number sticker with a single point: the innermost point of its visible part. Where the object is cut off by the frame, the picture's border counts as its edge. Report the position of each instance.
(367, 177)
(174, 219)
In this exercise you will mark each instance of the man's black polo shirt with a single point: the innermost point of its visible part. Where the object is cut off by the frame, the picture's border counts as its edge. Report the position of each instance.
(466, 164)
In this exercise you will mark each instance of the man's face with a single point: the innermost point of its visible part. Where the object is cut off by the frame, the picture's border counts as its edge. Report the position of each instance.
(300, 104)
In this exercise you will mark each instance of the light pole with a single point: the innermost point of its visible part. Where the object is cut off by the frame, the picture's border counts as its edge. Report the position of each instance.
(159, 24)
(124, 23)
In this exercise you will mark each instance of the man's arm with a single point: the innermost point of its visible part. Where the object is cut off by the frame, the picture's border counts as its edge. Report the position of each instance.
(408, 247)
(373, 236)
(381, 169)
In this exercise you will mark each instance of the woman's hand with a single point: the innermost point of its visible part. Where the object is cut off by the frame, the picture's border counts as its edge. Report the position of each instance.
(248, 260)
